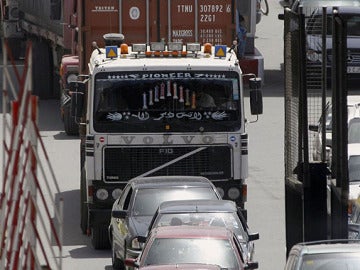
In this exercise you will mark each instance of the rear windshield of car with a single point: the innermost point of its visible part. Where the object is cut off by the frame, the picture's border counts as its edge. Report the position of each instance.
(228, 220)
(331, 261)
(147, 200)
(176, 251)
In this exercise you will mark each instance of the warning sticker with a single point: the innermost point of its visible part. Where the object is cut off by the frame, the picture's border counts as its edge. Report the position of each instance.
(111, 51)
(220, 51)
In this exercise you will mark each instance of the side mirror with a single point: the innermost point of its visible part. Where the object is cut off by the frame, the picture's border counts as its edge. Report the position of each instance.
(256, 102)
(77, 93)
(253, 236)
(119, 214)
(141, 239)
(314, 128)
(251, 265)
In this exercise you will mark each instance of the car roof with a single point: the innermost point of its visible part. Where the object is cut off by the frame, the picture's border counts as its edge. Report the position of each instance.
(331, 246)
(169, 181)
(212, 232)
(197, 206)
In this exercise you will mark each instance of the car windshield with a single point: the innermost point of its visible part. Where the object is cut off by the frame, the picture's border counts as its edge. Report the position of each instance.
(181, 101)
(148, 200)
(331, 261)
(190, 250)
(229, 220)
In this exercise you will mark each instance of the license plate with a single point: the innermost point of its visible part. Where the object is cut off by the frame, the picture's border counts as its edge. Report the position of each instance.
(353, 69)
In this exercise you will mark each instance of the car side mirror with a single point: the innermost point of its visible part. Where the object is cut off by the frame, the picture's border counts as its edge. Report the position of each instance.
(119, 214)
(251, 265)
(314, 128)
(141, 239)
(253, 236)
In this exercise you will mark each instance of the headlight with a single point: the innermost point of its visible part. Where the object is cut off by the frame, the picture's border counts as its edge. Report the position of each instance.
(116, 193)
(102, 194)
(71, 78)
(233, 193)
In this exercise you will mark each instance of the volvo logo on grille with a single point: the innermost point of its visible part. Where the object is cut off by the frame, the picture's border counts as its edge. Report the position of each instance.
(166, 151)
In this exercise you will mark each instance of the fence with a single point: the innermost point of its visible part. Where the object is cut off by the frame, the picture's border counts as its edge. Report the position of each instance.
(30, 215)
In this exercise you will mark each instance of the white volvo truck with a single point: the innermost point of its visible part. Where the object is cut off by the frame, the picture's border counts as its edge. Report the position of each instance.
(160, 109)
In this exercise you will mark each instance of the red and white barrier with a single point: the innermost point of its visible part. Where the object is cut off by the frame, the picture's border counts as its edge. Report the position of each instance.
(30, 215)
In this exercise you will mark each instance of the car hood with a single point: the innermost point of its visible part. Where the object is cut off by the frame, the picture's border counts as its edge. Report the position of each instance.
(140, 224)
(314, 42)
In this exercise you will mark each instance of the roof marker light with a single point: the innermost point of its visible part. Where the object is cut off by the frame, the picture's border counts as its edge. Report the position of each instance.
(193, 47)
(157, 46)
(124, 48)
(207, 48)
(175, 46)
(139, 48)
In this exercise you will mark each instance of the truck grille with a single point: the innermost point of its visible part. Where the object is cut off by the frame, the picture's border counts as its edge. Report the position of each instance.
(122, 164)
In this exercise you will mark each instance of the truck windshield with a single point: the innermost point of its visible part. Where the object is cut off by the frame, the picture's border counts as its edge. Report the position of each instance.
(176, 101)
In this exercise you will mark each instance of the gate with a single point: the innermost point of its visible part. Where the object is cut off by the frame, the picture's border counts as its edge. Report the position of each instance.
(311, 211)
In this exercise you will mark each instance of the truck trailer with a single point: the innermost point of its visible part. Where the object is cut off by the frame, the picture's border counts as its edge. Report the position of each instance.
(62, 33)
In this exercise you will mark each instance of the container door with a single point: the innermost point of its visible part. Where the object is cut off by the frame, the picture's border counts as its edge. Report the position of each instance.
(96, 18)
(139, 20)
(200, 21)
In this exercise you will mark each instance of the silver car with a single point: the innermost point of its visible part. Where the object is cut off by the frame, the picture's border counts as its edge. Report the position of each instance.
(133, 210)
(324, 255)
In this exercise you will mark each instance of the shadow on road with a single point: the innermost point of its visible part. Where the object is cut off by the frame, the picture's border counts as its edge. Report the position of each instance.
(72, 235)
(71, 220)
(273, 83)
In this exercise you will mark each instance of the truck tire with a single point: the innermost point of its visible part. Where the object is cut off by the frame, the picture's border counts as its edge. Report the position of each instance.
(70, 125)
(43, 69)
(100, 237)
(84, 214)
